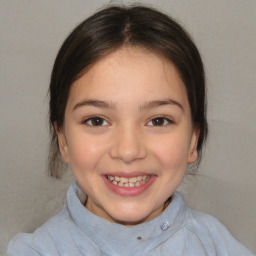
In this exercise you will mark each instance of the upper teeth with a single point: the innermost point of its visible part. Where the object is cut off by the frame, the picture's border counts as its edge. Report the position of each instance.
(128, 182)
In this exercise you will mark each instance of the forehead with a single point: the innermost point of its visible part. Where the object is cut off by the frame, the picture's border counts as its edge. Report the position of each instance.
(130, 73)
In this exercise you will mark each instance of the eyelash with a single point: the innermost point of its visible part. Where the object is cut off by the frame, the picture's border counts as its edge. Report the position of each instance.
(89, 121)
(164, 121)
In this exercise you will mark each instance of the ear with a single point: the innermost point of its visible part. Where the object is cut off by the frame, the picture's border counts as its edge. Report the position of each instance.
(193, 154)
(63, 146)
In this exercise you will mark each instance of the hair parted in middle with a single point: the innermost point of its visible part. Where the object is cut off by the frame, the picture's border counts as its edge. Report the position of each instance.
(110, 29)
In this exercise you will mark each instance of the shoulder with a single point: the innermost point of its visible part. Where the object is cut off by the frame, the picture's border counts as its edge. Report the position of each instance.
(212, 233)
(201, 221)
(44, 240)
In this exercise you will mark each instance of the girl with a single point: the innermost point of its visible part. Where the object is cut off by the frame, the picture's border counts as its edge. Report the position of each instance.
(128, 113)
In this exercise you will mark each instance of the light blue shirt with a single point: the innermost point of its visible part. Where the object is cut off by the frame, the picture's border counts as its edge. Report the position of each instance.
(178, 231)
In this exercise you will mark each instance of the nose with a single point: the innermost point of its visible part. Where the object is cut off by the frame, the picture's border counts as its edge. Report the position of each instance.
(128, 145)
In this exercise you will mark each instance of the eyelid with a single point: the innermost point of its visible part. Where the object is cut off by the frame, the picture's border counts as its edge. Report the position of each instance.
(166, 119)
(89, 118)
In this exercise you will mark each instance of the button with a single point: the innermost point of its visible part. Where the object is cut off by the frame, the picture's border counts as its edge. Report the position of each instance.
(165, 225)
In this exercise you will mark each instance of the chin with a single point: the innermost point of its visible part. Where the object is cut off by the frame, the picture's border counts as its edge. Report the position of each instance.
(130, 220)
(132, 217)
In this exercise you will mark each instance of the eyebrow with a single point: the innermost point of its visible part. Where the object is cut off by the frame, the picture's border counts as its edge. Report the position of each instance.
(111, 105)
(95, 103)
(156, 103)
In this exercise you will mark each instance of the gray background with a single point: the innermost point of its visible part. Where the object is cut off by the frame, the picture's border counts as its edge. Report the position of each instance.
(31, 33)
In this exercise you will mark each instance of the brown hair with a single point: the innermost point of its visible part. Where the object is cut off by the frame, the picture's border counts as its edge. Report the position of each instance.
(108, 30)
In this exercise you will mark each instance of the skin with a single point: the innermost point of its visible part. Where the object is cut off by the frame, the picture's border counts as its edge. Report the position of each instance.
(129, 90)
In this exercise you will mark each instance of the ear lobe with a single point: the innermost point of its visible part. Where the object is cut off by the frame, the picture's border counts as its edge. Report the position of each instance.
(193, 154)
(63, 147)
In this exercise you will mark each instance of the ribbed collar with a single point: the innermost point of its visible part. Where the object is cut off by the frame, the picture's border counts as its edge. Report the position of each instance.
(113, 238)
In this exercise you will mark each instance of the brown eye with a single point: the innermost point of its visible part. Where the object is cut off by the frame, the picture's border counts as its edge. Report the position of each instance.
(159, 121)
(96, 121)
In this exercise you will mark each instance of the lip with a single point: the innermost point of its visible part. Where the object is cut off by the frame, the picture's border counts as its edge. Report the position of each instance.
(128, 191)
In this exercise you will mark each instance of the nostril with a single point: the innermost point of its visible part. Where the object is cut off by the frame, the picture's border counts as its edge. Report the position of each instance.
(128, 145)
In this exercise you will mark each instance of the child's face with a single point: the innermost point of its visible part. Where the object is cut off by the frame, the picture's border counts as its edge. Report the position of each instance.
(128, 135)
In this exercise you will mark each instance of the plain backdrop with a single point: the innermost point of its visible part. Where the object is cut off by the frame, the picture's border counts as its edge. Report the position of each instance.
(31, 33)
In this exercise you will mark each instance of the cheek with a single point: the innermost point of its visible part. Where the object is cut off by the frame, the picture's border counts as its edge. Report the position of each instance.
(85, 152)
(172, 151)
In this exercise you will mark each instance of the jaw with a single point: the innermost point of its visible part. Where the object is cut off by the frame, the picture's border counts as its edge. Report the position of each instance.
(126, 212)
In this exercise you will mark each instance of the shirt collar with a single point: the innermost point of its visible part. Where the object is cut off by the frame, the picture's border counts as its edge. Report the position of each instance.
(111, 237)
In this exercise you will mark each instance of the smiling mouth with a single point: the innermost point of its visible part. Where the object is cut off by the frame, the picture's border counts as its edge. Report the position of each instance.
(128, 182)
